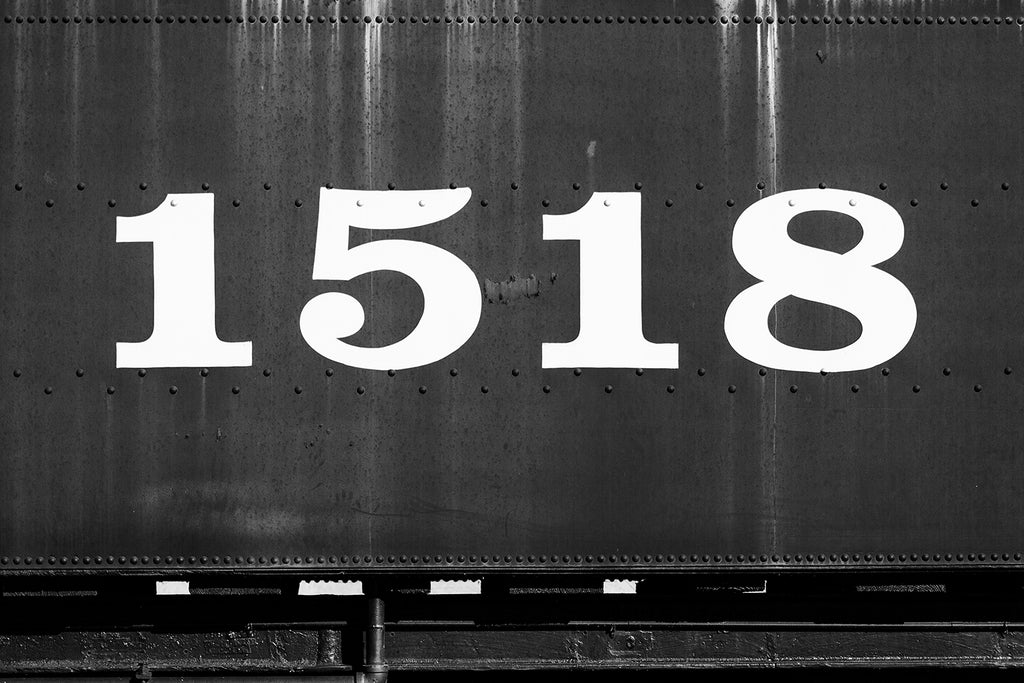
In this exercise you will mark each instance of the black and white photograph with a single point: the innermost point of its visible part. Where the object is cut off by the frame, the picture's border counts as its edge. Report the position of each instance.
(511, 340)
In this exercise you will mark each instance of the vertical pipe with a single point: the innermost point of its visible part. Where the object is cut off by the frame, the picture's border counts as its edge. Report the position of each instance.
(375, 668)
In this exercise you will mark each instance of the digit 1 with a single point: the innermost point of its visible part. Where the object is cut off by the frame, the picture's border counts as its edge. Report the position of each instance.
(184, 320)
(611, 319)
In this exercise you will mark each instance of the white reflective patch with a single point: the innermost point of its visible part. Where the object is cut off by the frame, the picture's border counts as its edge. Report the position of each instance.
(330, 587)
(621, 586)
(172, 588)
(760, 591)
(455, 587)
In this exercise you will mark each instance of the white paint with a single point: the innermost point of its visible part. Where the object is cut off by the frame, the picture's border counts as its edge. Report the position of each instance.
(884, 306)
(172, 588)
(611, 326)
(620, 587)
(330, 588)
(451, 293)
(455, 587)
(763, 590)
(184, 306)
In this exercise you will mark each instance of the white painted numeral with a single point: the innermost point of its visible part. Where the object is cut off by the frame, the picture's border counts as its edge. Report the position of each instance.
(451, 293)
(884, 306)
(184, 306)
(611, 320)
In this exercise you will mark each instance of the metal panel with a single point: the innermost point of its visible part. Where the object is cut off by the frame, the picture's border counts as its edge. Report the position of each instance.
(298, 463)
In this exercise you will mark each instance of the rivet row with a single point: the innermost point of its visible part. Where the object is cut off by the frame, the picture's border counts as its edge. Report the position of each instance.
(514, 19)
(17, 373)
(499, 560)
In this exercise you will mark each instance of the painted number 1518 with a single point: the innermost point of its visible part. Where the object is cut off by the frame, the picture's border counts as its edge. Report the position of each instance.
(611, 326)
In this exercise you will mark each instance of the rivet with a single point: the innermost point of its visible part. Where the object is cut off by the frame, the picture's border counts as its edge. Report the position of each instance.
(423, 389)
(48, 390)
(793, 389)
(143, 186)
(974, 202)
(49, 203)
(822, 186)
(17, 372)
(1006, 186)
(266, 186)
(699, 186)
(943, 185)
(670, 388)
(607, 202)
(760, 185)
(173, 389)
(546, 388)
(607, 388)
(110, 389)
(792, 202)
(453, 372)
(298, 202)
(669, 202)
(853, 202)
(266, 372)
(638, 185)
(1007, 370)
(205, 186)
(882, 186)
(391, 373)
(730, 202)
(913, 202)
(577, 372)
(298, 389)
(80, 372)
(855, 388)
(545, 202)
(885, 372)
(977, 387)
(916, 388)
(732, 388)
(236, 389)
(205, 372)
(452, 186)
(360, 390)
(359, 202)
(483, 202)
(112, 203)
(575, 186)
(515, 186)
(515, 372)
(236, 203)
(947, 371)
(484, 389)
(422, 202)
(701, 372)
(174, 202)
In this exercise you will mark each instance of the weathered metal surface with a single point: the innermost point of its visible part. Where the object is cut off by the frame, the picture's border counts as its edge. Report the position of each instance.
(799, 622)
(106, 469)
